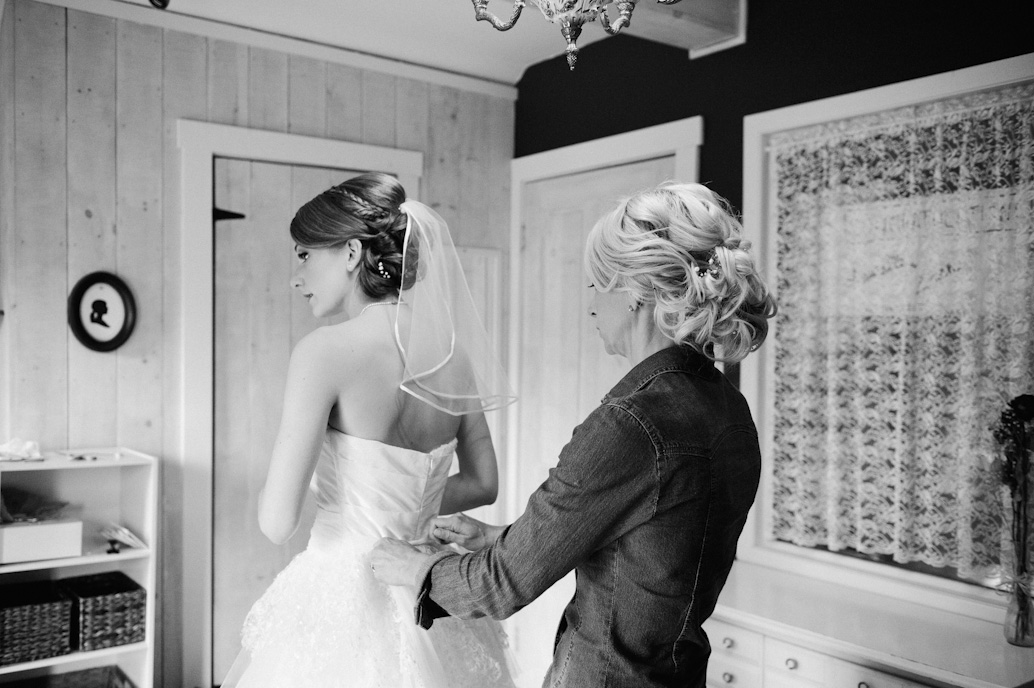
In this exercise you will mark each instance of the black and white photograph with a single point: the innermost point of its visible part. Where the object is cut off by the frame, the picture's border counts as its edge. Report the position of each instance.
(516, 344)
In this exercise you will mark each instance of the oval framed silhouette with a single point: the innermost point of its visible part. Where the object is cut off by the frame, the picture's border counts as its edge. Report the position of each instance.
(101, 311)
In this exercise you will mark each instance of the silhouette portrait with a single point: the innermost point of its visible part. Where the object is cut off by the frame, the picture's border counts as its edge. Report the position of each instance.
(100, 309)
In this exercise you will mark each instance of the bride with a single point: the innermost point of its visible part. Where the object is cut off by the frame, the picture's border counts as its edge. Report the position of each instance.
(375, 408)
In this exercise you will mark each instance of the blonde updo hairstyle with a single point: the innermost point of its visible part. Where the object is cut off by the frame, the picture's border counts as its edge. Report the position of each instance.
(365, 207)
(679, 248)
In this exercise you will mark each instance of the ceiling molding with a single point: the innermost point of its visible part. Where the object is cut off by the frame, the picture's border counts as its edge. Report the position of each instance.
(168, 19)
(435, 41)
(698, 26)
(739, 37)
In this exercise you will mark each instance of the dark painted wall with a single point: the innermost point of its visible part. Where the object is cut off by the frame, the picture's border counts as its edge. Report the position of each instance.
(796, 51)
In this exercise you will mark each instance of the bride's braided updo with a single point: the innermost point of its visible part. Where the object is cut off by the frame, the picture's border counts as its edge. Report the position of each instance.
(679, 249)
(366, 208)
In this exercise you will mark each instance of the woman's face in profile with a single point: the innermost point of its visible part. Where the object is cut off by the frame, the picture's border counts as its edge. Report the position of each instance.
(609, 310)
(323, 278)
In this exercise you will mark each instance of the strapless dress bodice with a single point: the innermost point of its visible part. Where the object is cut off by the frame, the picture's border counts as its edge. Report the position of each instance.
(365, 488)
(327, 621)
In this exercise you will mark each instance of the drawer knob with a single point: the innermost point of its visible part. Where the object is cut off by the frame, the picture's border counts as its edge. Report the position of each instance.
(728, 678)
(791, 663)
(727, 642)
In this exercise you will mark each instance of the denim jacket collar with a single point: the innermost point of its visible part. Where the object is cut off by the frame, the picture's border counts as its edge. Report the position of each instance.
(676, 357)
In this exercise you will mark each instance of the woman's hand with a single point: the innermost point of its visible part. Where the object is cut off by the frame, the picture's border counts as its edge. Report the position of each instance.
(464, 531)
(395, 562)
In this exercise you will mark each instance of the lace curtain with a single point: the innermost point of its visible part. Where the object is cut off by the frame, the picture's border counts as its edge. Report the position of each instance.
(906, 290)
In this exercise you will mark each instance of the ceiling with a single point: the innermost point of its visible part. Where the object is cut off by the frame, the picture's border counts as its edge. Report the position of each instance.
(444, 33)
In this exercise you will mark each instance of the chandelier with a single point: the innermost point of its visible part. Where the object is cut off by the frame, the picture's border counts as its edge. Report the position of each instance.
(570, 14)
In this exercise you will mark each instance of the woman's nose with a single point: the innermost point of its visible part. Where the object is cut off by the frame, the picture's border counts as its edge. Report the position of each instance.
(296, 281)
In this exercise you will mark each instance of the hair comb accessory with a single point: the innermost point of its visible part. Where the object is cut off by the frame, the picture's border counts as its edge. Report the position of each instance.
(381, 271)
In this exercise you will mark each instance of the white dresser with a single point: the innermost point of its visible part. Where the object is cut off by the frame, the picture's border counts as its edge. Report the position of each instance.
(772, 629)
(746, 658)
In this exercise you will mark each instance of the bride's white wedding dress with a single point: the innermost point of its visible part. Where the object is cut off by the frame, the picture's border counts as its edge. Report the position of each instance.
(326, 621)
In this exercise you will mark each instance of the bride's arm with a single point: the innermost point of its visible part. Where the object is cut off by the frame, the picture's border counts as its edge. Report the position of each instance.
(477, 482)
(309, 397)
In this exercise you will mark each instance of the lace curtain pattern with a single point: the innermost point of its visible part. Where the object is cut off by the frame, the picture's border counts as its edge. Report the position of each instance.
(905, 281)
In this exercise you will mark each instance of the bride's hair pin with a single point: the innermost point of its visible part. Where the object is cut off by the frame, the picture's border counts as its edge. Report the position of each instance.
(381, 271)
(712, 268)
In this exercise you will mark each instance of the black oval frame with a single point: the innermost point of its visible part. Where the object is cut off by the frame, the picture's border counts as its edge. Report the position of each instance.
(128, 303)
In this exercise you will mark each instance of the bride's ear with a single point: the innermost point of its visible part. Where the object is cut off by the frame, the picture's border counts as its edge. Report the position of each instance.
(354, 254)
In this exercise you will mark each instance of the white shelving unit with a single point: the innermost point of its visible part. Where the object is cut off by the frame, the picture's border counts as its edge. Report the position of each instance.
(111, 485)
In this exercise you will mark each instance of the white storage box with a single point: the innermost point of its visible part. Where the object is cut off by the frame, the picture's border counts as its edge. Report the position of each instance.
(43, 540)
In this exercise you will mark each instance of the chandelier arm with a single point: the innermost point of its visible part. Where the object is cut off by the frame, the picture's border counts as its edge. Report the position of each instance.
(667, 2)
(625, 9)
(481, 13)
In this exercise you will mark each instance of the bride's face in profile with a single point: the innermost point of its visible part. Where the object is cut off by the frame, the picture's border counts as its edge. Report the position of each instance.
(324, 278)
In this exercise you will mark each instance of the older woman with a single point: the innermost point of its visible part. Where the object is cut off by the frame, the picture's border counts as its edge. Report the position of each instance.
(650, 495)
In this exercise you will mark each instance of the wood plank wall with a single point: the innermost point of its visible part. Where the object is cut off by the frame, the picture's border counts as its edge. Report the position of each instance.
(89, 181)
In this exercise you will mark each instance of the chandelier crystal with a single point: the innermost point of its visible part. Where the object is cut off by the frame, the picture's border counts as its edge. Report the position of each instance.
(570, 14)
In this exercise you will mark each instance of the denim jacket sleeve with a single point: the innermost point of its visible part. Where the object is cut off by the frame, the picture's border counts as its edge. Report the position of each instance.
(604, 484)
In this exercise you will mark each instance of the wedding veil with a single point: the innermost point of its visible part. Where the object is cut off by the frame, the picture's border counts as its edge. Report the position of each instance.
(449, 361)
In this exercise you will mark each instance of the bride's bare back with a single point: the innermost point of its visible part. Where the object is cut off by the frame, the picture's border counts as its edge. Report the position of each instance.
(370, 403)
(347, 376)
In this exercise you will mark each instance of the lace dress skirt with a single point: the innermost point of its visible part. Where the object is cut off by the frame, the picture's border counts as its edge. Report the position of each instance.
(326, 621)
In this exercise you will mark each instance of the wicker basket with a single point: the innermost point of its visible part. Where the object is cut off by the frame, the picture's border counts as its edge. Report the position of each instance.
(108, 609)
(35, 621)
(99, 677)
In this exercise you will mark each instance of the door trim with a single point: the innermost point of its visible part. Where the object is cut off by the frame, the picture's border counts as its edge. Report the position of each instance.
(681, 138)
(200, 143)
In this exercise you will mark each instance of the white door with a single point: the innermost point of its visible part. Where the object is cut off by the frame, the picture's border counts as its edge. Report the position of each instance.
(258, 320)
(201, 144)
(564, 371)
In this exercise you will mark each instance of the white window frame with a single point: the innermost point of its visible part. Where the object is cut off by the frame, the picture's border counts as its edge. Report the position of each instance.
(756, 382)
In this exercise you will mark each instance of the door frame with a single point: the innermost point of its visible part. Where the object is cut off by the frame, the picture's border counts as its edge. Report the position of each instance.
(681, 138)
(200, 143)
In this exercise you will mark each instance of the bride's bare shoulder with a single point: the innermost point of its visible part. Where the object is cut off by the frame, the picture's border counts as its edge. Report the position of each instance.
(348, 346)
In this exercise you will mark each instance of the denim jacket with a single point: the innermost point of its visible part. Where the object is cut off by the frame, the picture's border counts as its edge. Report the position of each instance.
(645, 504)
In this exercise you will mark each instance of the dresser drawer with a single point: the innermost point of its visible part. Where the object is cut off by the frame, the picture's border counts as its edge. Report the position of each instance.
(783, 660)
(789, 682)
(734, 642)
(729, 672)
(905, 683)
(841, 674)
